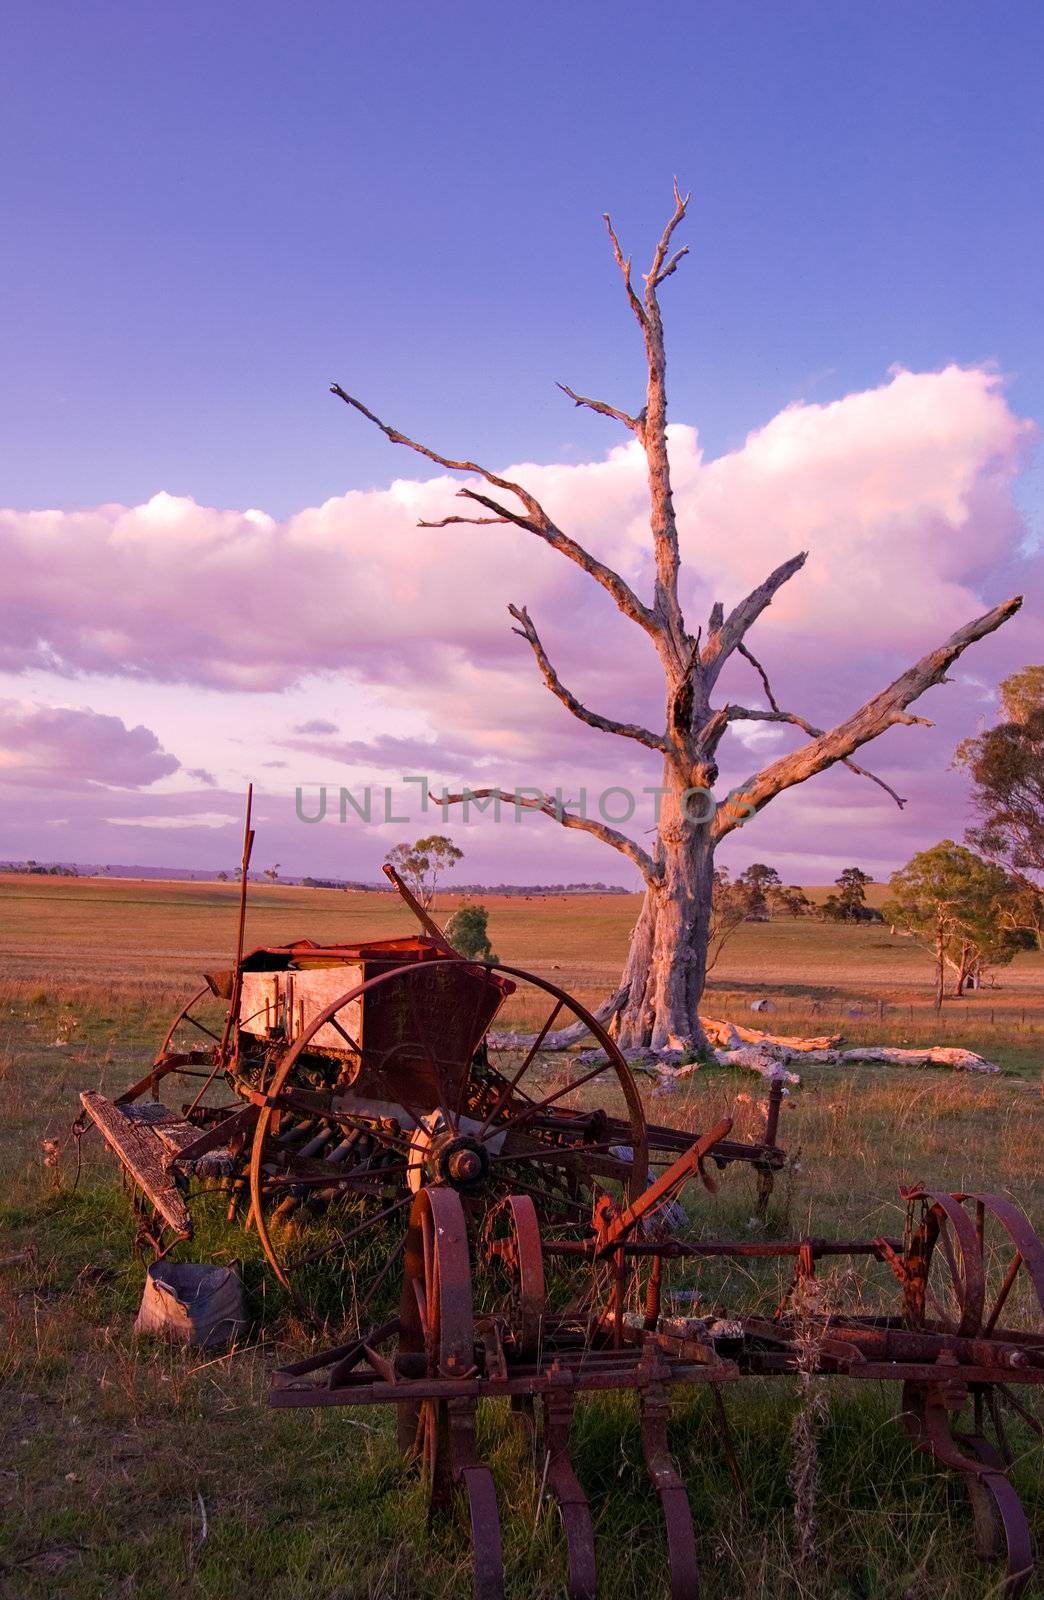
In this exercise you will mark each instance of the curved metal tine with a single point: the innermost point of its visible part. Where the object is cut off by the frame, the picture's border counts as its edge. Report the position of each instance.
(1016, 1529)
(487, 1558)
(997, 1508)
(508, 1089)
(572, 1501)
(681, 1539)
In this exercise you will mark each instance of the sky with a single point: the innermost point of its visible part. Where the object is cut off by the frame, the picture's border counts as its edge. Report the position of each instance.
(212, 572)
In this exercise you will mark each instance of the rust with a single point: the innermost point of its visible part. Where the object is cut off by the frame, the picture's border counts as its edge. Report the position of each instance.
(964, 1377)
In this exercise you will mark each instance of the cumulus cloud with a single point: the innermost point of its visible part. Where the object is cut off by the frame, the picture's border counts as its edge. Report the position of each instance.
(62, 746)
(201, 775)
(902, 495)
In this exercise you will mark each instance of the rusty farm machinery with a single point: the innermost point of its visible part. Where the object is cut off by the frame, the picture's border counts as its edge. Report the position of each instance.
(320, 1088)
(479, 1320)
(356, 1106)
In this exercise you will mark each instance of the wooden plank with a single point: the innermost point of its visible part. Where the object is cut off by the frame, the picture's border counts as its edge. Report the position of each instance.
(142, 1155)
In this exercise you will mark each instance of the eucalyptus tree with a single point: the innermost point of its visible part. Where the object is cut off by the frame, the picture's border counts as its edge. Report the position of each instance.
(657, 1001)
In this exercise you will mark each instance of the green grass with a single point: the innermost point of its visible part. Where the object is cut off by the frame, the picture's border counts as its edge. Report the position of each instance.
(108, 1446)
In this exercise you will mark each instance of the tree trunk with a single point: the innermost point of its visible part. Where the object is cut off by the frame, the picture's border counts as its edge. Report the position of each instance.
(667, 961)
(940, 971)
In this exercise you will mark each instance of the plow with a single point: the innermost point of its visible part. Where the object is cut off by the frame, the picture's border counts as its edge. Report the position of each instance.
(965, 1346)
(483, 1220)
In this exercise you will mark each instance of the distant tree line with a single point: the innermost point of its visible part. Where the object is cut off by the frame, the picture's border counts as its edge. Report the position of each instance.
(35, 870)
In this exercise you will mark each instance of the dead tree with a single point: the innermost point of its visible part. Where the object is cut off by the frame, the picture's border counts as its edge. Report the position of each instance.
(657, 1002)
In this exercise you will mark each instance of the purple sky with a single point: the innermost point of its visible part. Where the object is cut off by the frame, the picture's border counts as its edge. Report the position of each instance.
(211, 568)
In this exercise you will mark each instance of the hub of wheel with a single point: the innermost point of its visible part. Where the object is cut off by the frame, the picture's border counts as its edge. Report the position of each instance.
(456, 1160)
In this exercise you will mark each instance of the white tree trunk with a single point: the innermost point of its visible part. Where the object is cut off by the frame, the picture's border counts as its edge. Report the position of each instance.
(667, 962)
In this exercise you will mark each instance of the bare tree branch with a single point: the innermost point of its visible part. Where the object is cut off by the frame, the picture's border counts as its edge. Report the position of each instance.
(549, 806)
(741, 714)
(657, 272)
(627, 730)
(636, 424)
(729, 633)
(884, 711)
(762, 674)
(654, 437)
(471, 522)
(536, 520)
(625, 268)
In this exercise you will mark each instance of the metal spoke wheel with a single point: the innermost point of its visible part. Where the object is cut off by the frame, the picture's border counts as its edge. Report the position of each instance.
(190, 1057)
(974, 1266)
(436, 1340)
(355, 1119)
(975, 1271)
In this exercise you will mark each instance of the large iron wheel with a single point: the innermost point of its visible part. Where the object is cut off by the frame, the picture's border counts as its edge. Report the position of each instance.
(328, 1150)
(975, 1270)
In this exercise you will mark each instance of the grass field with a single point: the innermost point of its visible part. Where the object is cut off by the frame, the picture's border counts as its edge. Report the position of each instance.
(115, 1453)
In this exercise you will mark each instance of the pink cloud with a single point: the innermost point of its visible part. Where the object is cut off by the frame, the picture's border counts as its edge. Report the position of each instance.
(64, 747)
(902, 494)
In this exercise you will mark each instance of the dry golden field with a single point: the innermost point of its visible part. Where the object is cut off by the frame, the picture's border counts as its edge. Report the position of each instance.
(112, 1453)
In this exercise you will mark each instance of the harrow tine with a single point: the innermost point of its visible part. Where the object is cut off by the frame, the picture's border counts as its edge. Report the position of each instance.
(1001, 1526)
(572, 1501)
(681, 1539)
(487, 1560)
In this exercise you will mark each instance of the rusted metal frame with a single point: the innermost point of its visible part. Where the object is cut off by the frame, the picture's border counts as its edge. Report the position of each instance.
(430, 926)
(237, 975)
(769, 1363)
(941, 1212)
(679, 1139)
(442, 1321)
(558, 1404)
(171, 1063)
(652, 1379)
(767, 1170)
(684, 1249)
(240, 1122)
(664, 1188)
(589, 1377)
(886, 1341)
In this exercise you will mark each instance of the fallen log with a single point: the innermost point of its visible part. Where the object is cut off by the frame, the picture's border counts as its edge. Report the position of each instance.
(724, 1034)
